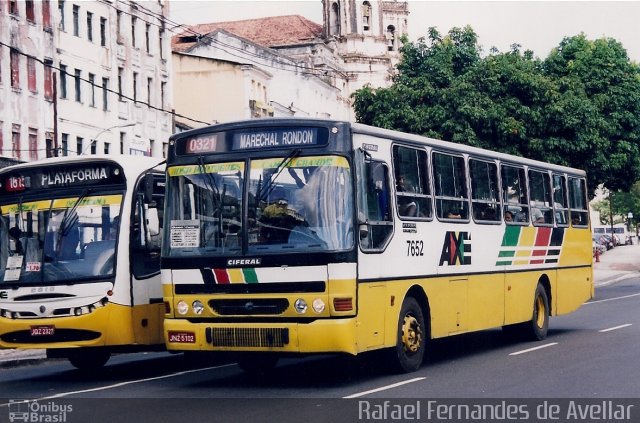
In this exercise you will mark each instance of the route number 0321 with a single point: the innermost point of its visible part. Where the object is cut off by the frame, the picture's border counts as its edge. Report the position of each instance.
(415, 248)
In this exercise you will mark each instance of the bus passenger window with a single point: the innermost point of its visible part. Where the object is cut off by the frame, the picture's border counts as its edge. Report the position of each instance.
(449, 175)
(413, 196)
(514, 191)
(578, 202)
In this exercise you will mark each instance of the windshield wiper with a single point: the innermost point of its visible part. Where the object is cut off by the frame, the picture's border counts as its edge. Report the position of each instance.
(69, 220)
(268, 185)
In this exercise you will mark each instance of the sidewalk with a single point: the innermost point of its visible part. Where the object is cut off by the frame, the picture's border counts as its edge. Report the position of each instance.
(615, 265)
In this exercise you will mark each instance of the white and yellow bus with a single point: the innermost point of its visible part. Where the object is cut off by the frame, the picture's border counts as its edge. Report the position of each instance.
(80, 256)
(315, 236)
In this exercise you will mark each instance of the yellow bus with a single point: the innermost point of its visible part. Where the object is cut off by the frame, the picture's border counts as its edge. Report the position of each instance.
(80, 256)
(302, 236)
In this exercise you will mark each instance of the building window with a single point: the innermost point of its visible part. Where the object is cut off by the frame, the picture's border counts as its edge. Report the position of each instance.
(160, 41)
(149, 85)
(103, 31)
(48, 143)
(79, 142)
(119, 26)
(106, 147)
(92, 88)
(61, 10)
(366, 15)
(90, 26)
(122, 135)
(334, 19)
(31, 75)
(134, 21)
(48, 79)
(94, 146)
(15, 141)
(391, 37)
(15, 68)
(152, 144)
(30, 11)
(120, 82)
(163, 88)
(46, 14)
(65, 144)
(135, 87)
(63, 81)
(147, 38)
(13, 7)
(76, 20)
(105, 94)
(77, 83)
(33, 144)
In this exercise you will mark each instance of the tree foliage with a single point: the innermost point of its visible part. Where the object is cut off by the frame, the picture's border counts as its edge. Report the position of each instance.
(578, 107)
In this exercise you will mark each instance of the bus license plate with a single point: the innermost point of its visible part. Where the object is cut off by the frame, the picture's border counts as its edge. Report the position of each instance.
(182, 337)
(46, 330)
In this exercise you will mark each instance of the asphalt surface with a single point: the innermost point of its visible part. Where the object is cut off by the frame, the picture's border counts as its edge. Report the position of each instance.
(618, 264)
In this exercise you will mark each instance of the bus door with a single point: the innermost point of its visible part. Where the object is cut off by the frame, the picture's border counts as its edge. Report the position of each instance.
(145, 244)
(375, 228)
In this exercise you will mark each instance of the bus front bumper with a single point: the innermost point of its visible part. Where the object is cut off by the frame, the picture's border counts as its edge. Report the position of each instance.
(319, 336)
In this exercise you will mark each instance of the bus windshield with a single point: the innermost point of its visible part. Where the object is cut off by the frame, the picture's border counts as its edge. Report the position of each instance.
(292, 204)
(65, 239)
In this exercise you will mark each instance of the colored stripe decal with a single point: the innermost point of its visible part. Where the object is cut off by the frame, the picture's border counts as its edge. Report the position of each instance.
(250, 275)
(221, 276)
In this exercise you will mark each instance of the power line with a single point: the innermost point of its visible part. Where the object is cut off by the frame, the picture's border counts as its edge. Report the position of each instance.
(120, 95)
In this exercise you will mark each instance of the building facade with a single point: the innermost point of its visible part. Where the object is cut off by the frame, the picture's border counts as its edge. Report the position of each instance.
(287, 65)
(84, 77)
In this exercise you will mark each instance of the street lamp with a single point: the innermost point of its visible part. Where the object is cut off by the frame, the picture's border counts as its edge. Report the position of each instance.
(629, 217)
(95, 137)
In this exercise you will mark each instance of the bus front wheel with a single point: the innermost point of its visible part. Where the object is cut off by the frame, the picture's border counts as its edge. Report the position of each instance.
(89, 358)
(539, 325)
(411, 338)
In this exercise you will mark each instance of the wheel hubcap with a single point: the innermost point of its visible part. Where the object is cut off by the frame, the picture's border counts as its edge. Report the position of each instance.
(411, 334)
(540, 312)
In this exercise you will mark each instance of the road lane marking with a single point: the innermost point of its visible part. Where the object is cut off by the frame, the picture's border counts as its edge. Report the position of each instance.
(130, 382)
(612, 299)
(384, 388)
(615, 328)
(534, 348)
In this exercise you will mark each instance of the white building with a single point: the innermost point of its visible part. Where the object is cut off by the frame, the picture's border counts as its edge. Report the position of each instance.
(27, 43)
(83, 77)
(287, 65)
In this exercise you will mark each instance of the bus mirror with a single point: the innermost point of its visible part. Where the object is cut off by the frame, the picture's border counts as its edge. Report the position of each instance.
(364, 231)
(153, 222)
(148, 188)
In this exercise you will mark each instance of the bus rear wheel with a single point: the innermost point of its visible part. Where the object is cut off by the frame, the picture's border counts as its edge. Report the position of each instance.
(410, 347)
(89, 358)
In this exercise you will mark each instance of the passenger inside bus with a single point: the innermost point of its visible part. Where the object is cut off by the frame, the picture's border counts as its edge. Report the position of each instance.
(406, 205)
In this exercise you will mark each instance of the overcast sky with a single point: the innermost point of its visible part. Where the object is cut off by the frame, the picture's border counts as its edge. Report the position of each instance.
(535, 25)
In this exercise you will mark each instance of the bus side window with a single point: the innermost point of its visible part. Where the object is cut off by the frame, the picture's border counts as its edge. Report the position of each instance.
(578, 202)
(376, 207)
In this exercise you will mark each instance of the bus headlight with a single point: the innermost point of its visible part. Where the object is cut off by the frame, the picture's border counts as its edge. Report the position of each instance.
(300, 305)
(318, 305)
(197, 306)
(182, 307)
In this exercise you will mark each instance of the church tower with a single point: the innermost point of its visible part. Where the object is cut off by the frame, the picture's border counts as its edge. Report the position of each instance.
(367, 35)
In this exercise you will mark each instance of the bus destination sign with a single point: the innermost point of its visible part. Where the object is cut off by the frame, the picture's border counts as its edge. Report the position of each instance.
(52, 177)
(274, 138)
(252, 139)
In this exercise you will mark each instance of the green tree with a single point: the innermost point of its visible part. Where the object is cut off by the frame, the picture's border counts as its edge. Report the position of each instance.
(578, 107)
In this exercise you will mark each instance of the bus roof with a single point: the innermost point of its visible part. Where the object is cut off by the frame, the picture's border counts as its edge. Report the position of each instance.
(384, 133)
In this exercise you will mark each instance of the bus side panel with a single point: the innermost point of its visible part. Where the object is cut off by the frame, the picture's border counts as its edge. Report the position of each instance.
(520, 288)
(372, 301)
(486, 306)
(148, 310)
(575, 284)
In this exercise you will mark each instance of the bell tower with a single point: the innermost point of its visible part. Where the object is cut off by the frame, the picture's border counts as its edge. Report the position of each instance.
(367, 35)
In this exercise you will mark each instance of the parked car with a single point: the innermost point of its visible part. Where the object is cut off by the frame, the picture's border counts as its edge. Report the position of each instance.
(598, 245)
(605, 240)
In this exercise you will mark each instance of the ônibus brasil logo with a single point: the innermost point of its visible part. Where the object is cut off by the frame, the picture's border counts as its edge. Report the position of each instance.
(38, 412)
